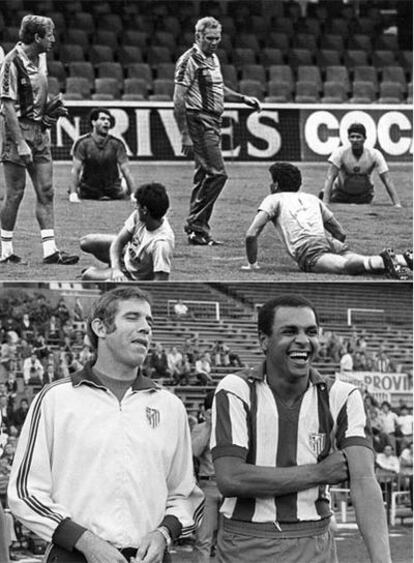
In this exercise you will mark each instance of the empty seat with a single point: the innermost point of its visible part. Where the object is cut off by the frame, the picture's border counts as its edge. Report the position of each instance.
(366, 73)
(360, 41)
(333, 42)
(11, 33)
(100, 54)
(390, 93)
(247, 41)
(327, 57)
(283, 73)
(69, 53)
(278, 91)
(253, 72)
(83, 20)
(406, 61)
(77, 86)
(128, 54)
(278, 40)
(355, 57)
(110, 69)
(229, 73)
(54, 86)
(158, 54)
(365, 25)
(106, 37)
(140, 70)
(395, 74)
(77, 36)
(387, 42)
(253, 88)
(338, 26)
(310, 73)
(243, 56)
(57, 70)
(306, 92)
(172, 24)
(283, 24)
(305, 41)
(164, 87)
(362, 92)
(298, 57)
(338, 73)
(135, 88)
(165, 70)
(83, 69)
(223, 56)
(111, 21)
(164, 39)
(410, 93)
(135, 37)
(309, 25)
(334, 92)
(270, 56)
(159, 98)
(108, 86)
(383, 58)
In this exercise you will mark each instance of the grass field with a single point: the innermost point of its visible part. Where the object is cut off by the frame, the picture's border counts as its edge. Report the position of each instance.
(370, 227)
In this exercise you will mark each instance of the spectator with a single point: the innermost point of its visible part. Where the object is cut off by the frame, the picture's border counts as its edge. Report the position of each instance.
(32, 370)
(388, 461)
(382, 362)
(180, 309)
(346, 363)
(220, 354)
(174, 360)
(159, 362)
(389, 422)
(405, 425)
(406, 469)
(19, 415)
(40, 348)
(6, 414)
(11, 387)
(62, 312)
(49, 375)
(27, 328)
(85, 355)
(53, 328)
(373, 412)
(380, 439)
(203, 370)
(9, 348)
(334, 345)
(359, 361)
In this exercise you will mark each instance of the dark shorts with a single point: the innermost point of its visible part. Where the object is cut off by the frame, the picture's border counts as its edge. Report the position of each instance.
(339, 196)
(91, 192)
(55, 554)
(310, 252)
(35, 136)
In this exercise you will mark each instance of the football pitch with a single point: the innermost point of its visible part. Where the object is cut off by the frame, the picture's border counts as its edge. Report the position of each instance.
(370, 228)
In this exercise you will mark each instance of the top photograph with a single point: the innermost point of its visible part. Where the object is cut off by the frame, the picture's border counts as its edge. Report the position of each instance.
(230, 140)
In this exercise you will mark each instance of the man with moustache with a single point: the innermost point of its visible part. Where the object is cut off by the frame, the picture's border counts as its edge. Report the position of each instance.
(103, 468)
(281, 435)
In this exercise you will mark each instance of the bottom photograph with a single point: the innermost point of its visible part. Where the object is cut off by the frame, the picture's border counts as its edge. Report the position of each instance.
(206, 422)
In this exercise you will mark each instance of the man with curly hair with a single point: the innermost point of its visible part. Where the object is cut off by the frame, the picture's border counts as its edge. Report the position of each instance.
(311, 234)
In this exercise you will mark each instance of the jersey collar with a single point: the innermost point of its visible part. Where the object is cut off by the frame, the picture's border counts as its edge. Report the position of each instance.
(86, 376)
(258, 374)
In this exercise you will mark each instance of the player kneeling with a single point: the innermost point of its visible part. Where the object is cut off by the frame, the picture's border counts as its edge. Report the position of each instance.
(143, 248)
(302, 220)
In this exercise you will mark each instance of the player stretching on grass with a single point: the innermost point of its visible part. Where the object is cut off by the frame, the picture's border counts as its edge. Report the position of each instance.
(349, 174)
(302, 220)
(26, 115)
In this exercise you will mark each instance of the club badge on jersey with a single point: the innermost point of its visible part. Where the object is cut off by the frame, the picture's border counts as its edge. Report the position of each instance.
(317, 442)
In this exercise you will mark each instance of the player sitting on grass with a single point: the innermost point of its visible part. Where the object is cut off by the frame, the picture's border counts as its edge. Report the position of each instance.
(302, 220)
(143, 248)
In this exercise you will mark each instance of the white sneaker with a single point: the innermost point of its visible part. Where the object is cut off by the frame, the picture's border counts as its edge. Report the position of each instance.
(74, 198)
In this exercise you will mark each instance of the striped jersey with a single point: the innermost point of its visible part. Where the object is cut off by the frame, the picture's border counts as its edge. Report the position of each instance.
(355, 172)
(203, 79)
(250, 422)
(24, 82)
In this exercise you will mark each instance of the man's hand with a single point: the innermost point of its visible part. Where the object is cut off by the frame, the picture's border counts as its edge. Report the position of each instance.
(187, 147)
(97, 550)
(24, 152)
(254, 266)
(252, 102)
(334, 469)
(398, 205)
(152, 548)
(118, 276)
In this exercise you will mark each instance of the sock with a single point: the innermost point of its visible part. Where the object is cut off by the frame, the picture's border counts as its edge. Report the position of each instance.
(48, 242)
(6, 243)
(401, 260)
(373, 263)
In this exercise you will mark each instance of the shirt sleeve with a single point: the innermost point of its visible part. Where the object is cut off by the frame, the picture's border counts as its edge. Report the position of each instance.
(336, 157)
(270, 205)
(78, 150)
(380, 162)
(162, 256)
(8, 81)
(230, 435)
(185, 71)
(131, 222)
(121, 154)
(353, 427)
(326, 213)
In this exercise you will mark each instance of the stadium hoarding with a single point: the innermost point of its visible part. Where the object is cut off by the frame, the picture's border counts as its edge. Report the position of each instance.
(294, 132)
(394, 385)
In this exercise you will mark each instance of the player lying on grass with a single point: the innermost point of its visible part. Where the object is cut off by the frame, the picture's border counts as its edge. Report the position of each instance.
(302, 220)
(143, 248)
(349, 175)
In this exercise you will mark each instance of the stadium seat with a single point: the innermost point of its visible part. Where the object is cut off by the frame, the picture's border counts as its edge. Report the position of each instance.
(253, 72)
(164, 87)
(83, 20)
(172, 24)
(305, 41)
(381, 58)
(334, 92)
(309, 25)
(283, 73)
(284, 25)
(10, 33)
(112, 22)
(279, 91)
(306, 92)
(360, 41)
(128, 54)
(406, 61)
(365, 25)
(135, 38)
(77, 87)
(395, 74)
(338, 26)
(297, 57)
(100, 54)
(278, 40)
(159, 98)
(228, 25)
(77, 36)
(158, 54)
(259, 25)
(242, 56)
(107, 86)
(8, 46)
(135, 88)
(355, 57)
(247, 41)
(110, 69)
(327, 57)
(366, 73)
(226, 42)
(270, 56)
(106, 37)
(57, 70)
(252, 88)
(54, 85)
(229, 73)
(309, 73)
(390, 93)
(165, 70)
(69, 53)
(59, 20)
(409, 93)
(338, 73)
(387, 42)
(82, 69)
(140, 70)
(362, 92)
(164, 39)
(333, 42)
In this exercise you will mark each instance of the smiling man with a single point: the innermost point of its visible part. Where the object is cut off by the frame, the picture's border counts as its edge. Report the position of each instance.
(349, 174)
(281, 435)
(103, 468)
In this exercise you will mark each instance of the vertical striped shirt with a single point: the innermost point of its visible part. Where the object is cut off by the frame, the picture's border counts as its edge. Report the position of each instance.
(251, 423)
(24, 82)
(203, 79)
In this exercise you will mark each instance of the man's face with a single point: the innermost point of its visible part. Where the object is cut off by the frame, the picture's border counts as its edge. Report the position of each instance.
(46, 43)
(102, 124)
(357, 140)
(130, 340)
(208, 40)
(293, 343)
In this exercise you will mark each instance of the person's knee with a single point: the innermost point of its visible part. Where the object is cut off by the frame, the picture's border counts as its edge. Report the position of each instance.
(85, 243)
(46, 193)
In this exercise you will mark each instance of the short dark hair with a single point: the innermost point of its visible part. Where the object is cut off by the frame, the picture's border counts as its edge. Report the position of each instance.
(287, 176)
(268, 310)
(94, 115)
(106, 307)
(31, 25)
(154, 197)
(357, 128)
